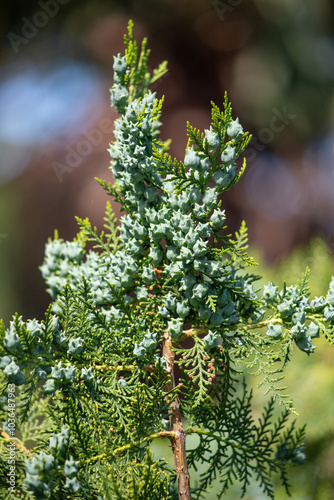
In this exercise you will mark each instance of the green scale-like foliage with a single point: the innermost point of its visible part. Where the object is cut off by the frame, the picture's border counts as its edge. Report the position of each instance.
(93, 390)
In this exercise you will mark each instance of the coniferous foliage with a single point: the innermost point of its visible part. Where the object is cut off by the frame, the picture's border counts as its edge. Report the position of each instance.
(150, 331)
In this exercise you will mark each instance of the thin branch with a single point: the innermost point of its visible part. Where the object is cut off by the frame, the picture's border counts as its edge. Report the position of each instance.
(202, 432)
(178, 439)
(162, 434)
(126, 368)
(20, 446)
(121, 449)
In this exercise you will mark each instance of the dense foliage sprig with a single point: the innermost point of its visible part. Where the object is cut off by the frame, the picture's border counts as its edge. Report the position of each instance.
(156, 323)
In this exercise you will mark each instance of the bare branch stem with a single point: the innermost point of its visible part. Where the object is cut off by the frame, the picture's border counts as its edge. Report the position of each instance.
(178, 438)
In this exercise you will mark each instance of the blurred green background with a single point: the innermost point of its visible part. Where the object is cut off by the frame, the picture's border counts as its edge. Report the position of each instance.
(276, 61)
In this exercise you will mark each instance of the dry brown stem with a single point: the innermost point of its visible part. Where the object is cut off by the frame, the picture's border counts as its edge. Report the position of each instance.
(178, 438)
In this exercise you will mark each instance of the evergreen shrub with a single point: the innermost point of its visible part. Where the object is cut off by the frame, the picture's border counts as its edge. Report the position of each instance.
(150, 331)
